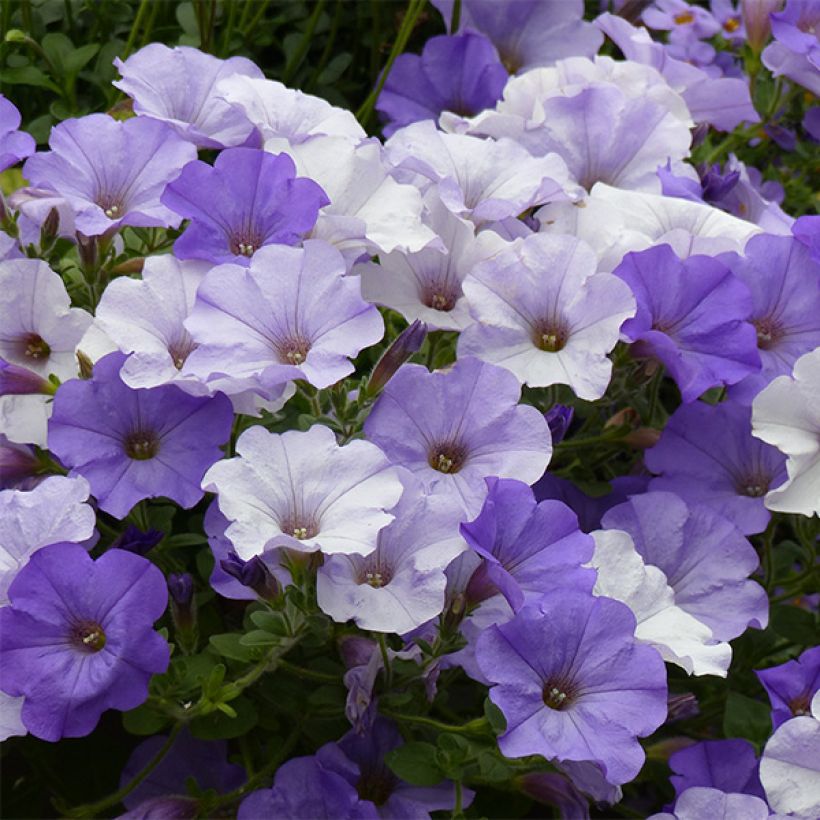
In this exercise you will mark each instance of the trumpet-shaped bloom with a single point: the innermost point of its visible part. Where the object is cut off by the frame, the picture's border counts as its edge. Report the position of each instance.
(483, 180)
(786, 414)
(707, 454)
(703, 801)
(542, 312)
(78, 637)
(453, 429)
(112, 172)
(14, 144)
(795, 51)
(292, 314)
(784, 281)
(400, 585)
(134, 444)
(427, 284)
(705, 559)
(249, 198)
(792, 686)
(179, 86)
(692, 316)
(528, 33)
(303, 491)
(53, 511)
(574, 684)
(678, 636)
(460, 73)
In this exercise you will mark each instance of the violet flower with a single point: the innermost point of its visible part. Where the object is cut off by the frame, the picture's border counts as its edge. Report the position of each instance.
(795, 51)
(112, 172)
(249, 198)
(573, 683)
(460, 73)
(14, 144)
(792, 685)
(78, 637)
(728, 765)
(135, 444)
(692, 316)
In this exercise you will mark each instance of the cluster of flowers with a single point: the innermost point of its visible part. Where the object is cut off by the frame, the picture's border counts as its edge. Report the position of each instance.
(531, 208)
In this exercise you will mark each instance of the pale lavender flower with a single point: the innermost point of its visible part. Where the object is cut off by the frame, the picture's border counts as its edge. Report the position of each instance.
(795, 51)
(134, 444)
(528, 33)
(292, 314)
(455, 428)
(249, 198)
(542, 312)
(178, 86)
(112, 172)
(702, 801)
(706, 560)
(692, 316)
(78, 637)
(14, 144)
(400, 585)
(707, 455)
(677, 16)
(301, 490)
(460, 73)
(574, 684)
(483, 180)
(427, 284)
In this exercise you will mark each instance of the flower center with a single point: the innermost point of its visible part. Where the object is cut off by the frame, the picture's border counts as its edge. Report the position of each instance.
(769, 332)
(34, 347)
(732, 24)
(293, 351)
(440, 296)
(141, 445)
(376, 786)
(550, 335)
(800, 705)
(181, 348)
(684, 18)
(754, 486)
(88, 636)
(245, 243)
(558, 695)
(111, 206)
(300, 527)
(447, 457)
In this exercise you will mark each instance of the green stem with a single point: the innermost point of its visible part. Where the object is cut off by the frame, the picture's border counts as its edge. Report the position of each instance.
(311, 674)
(457, 809)
(455, 19)
(93, 809)
(263, 7)
(132, 36)
(328, 49)
(414, 10)
(304, 44)
(388, 671)
(474, 727)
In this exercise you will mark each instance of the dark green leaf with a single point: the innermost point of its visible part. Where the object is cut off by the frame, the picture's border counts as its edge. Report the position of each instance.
(416, 763)
(219, 726)
(747, 718)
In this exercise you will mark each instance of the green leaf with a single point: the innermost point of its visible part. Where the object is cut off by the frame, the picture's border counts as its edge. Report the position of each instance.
(76, 60)
(271, 622)
(747, 718)
(335, 68)
(416, 763)
(495, 717)
(492, 767)
(144, 720)
(28, 75)
(220, 726)
(229, 645)
(795, 624)
(258, 637)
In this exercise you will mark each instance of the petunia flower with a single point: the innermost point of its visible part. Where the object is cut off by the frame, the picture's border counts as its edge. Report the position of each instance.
(301, 490)
(178, 86)
(692, 316)
(702, 801)
(574, 684)
(112, 172)
(795, 50)
(78, 637)
(14, 144)
(134, 444)
(728, 765)
(292, 314)
(542, 312)
(249, 198)
(792, 686)
(455, 428)
(707, 454)
(786, 415)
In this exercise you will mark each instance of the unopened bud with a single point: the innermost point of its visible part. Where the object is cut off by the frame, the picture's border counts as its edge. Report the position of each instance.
(17, 463)
(254, 574)
(85, 365)
(408, 342)
(183, 609)
(643, 438)
(87, 250)
(51, 228)
(756, 20)
(133, 539)
(559, 418)
(129, 266)
(19, 381)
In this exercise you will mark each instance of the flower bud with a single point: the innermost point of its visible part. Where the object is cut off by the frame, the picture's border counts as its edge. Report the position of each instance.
(559, 418)
(17, 462)
(408, 342)
(19, 381)
(183, 609)
(756, 19)
(135, 540)
(253, 574)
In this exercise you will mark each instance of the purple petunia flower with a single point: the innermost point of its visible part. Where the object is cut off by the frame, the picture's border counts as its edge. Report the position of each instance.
(706, 560)
(528, 549)
(14, 144)
(78, 637)
(453, 429)
(699, 802)
(303, 787)
(792, 685)
(795, 52)
(18, 465)
(292, 314)
(677, 16)
(205, 761)
(528, 33)
(728, 765)
(543, 313)
(784, 282)
(460, 73)
(301, 490)
(573, 683)
(692, 316)
(707, 454)
(178, 86)
(134, 444)
(249, 198)
(112, 172)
